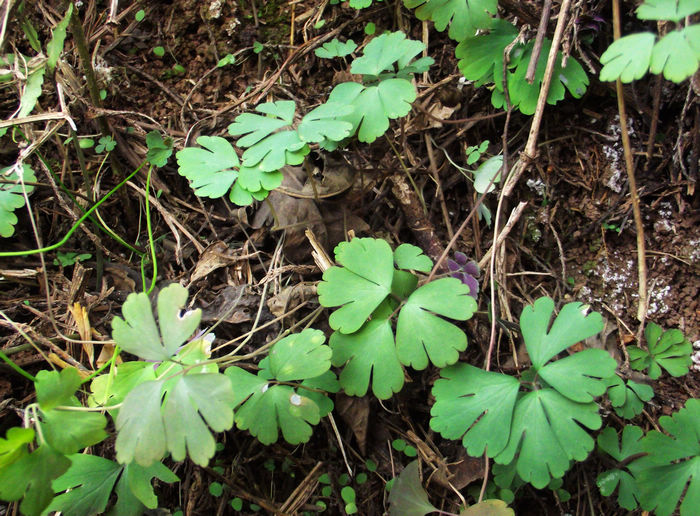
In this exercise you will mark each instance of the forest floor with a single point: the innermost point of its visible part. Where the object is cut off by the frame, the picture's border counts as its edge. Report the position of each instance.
(575, 240)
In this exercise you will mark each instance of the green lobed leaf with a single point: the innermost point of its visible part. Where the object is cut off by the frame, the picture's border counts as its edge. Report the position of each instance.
(299, 356)
(11, 196)
(14, 446)
(627, 399)
(326, 382)
(30, 477)
(113, 387)
(677, 54)
(403, 283)
(463, 16)
(367, 354)
(138, 334)
(669, 350)
(32, 92)
(488, 508)
(255, 179)
(360, 285)
(134, 489)
(212, 169)
(582, 376)
(547, 434)
(609, 480)
(407, 496)
(325, 123)
(335, 48)
(384, 51)
(672, 464)
(159, 150)
(68, 432)
(627, 58)
(674, 10)
(422, 335)
(407, 256)
(475, 406)
(58, 36)
(481, 57)
(572, 325)
(276, 151)
(486, 172)
(140, 428)
(54, 388)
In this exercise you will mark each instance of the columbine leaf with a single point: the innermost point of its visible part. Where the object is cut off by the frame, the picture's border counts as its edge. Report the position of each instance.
(210, 170)
(677, 55)
(112, 388)
(324, 123)
(30, 477)
(135, 491)
(486, 171)
(488, 508)
(481, 57)
(298, 356)
(138, 334)
(335, 48)
(524, 95)
(360, 286)
(547, 434)
(581, 376)
(243, 197)
(672, 465)
(54, 388)
(475, 406)
(669, 350)
(627, 58)
(193, 403)
(674, 10)
(464, 17)
(276, 151)
(326, 382)
(609, 480)
(14, 446)
(159, 150)
(259, 127)
(422, 335)
(572, 325)
(407, 496)
(374, 105)
(369, 352)
(627, 399)
(408, 256)
(69, 432)
(11, 196)
(141, 433)
(255, 179)
(382, 52)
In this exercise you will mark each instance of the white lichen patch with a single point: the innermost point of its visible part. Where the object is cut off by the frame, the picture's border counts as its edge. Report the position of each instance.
(537, 185)
(614, 154)
(696, 356)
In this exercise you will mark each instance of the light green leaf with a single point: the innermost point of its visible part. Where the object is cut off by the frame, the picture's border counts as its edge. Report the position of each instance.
(369, 353)
(486, 171)
(68, 432)
(211, 170)
(547, 434)
(481, 57)
(54, 388)
(360, 286)
(628, 58)
(627, 399)
(299, 356)
(326, 382)
(422, 335)
(384, 51)
(58, 36)
(408, 256)
(407, 496)
(30, 477)
(32, 91)
(335, 48)
(259, 127)
(159, 150)
(89, 482)
(488, 508)
(677, 54)
(141, 432)
(463, 16)
(667, 349)
(138, 334)
(276, 151)
(14, 446)
(11, 196)
(135, 490)
(195, 401)
(673, 10)
(582, 376)
(325, 123)
(111, 388)
(475, 406)
(256, 179)
(403, 284)
(374, 105)
(572, 325)
(672, 465)
(609, 480)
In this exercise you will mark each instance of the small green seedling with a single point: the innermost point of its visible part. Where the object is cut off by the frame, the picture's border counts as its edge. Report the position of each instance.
(474, 152)
(140, 15)
(335, 48)
(70, 258)
(12, 190)
(105, 144)
(159, 51)
(668, 349)
(228, 59)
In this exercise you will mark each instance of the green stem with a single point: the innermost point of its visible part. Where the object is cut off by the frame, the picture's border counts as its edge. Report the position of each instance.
(150, 233)
(15, 367)
(104, 366)
(77, 223)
